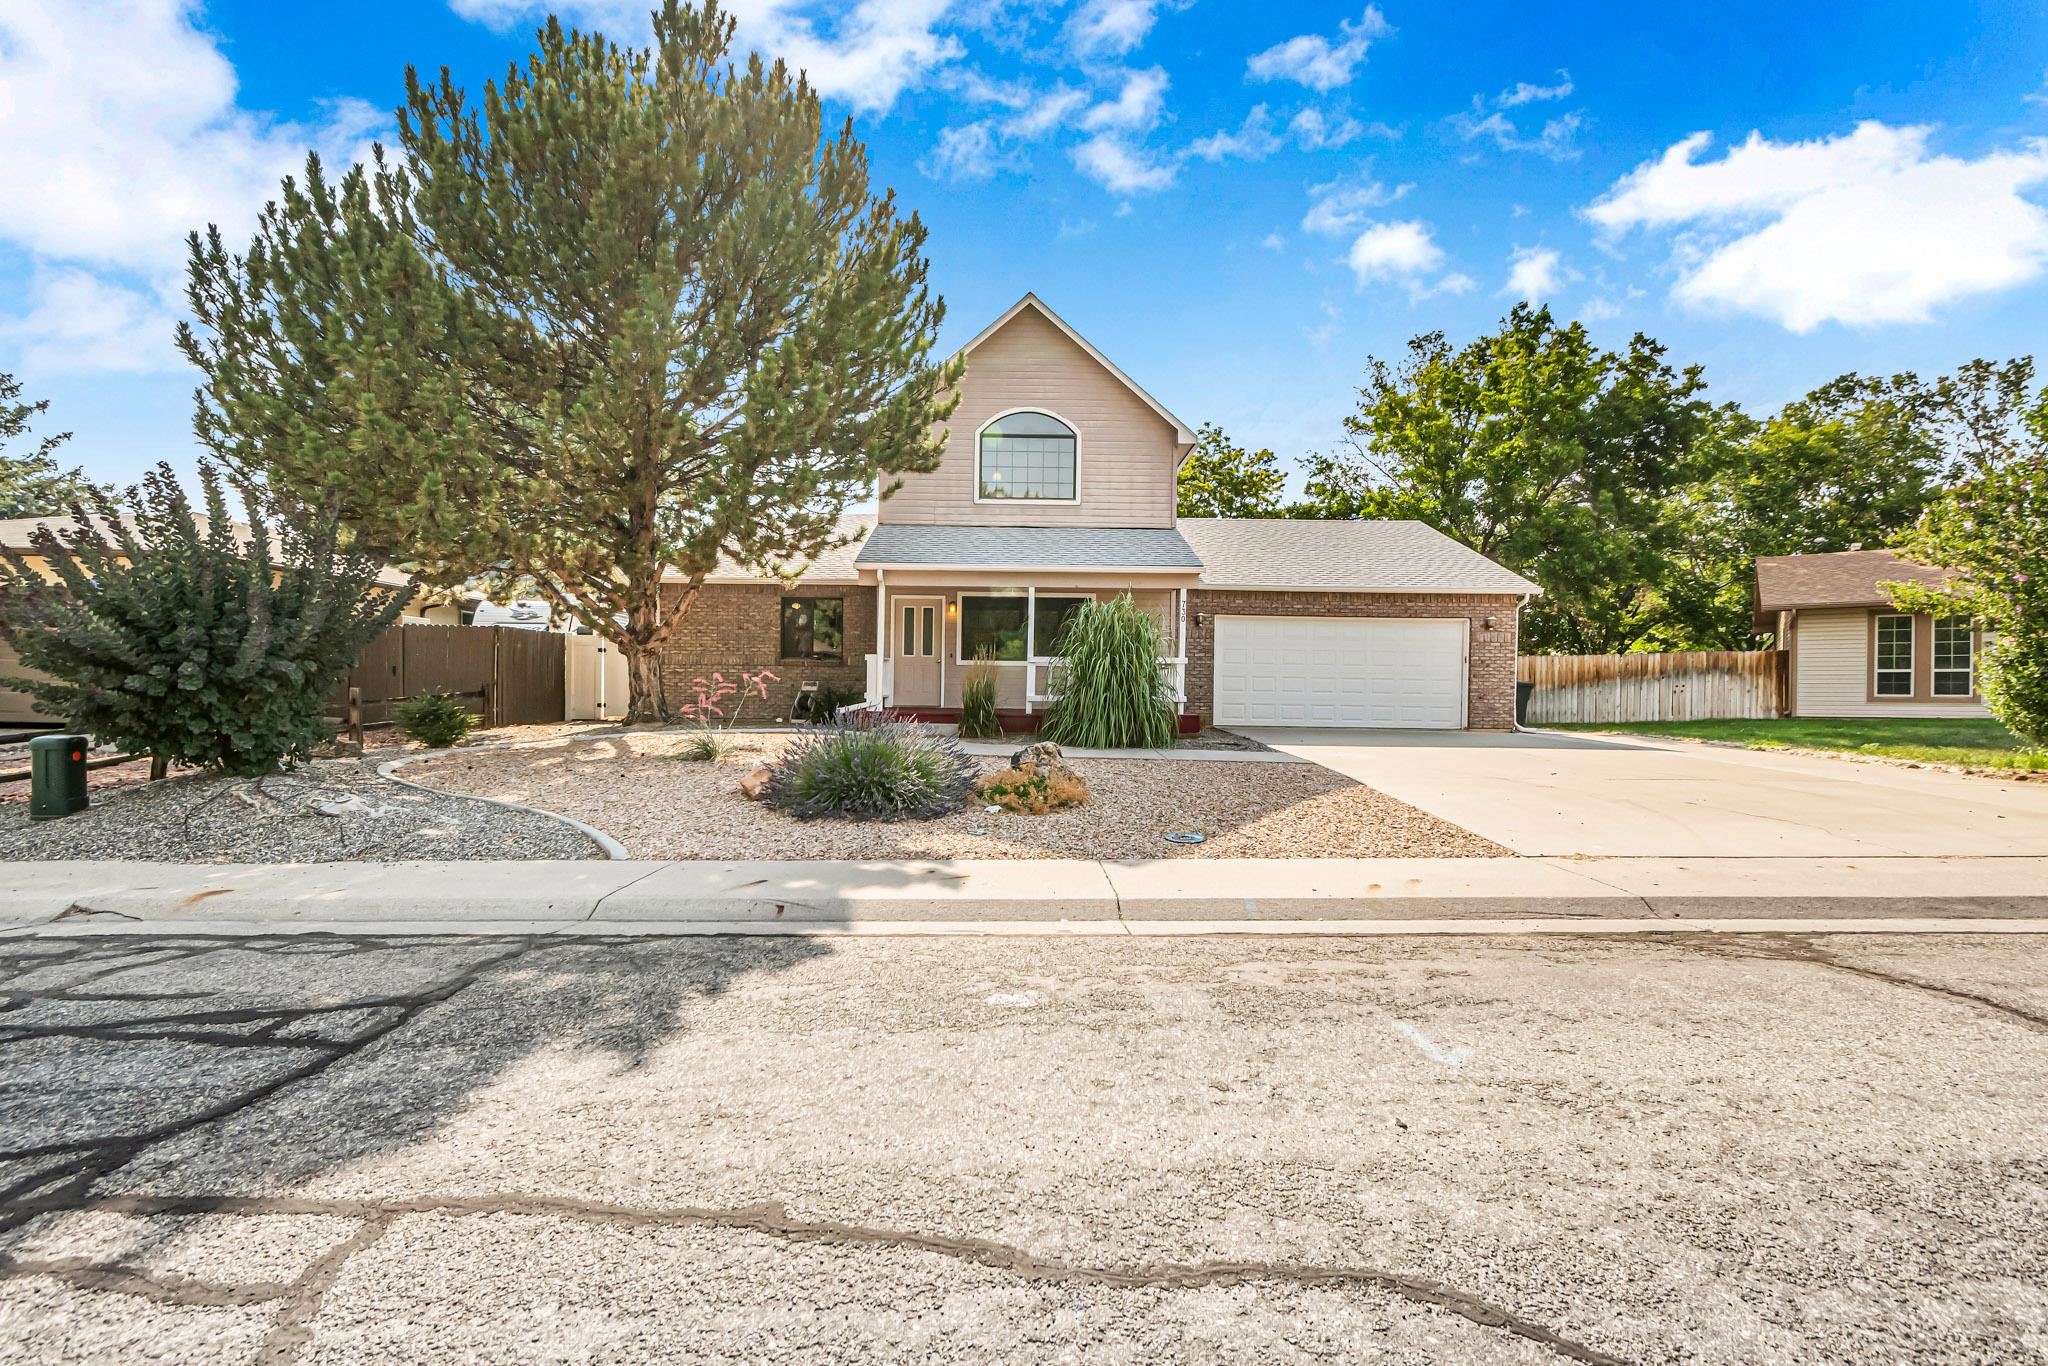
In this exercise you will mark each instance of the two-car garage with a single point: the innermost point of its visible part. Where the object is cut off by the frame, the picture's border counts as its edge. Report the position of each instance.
(1341, 671)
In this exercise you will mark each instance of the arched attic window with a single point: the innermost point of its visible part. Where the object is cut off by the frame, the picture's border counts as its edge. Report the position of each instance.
(1029, 455)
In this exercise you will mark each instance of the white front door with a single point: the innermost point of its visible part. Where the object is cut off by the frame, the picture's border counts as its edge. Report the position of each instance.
(1340, 671)
(919, 682)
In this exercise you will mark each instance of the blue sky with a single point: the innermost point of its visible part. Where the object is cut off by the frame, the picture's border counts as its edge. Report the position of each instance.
(1239, 202)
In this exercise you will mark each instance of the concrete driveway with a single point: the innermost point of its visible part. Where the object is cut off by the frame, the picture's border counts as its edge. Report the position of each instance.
(1553, 793)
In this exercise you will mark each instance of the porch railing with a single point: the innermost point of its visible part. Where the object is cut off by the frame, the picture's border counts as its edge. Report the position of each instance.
(1176, 664)
(881, 683)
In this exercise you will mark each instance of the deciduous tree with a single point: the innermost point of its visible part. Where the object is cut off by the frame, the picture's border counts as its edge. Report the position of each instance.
(1542, 451)
(628, 311)
(1221, 479)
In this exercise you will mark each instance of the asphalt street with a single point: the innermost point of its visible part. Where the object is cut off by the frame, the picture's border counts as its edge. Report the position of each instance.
(1707, 1149)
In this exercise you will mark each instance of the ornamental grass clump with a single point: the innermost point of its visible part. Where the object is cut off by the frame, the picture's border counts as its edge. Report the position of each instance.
(1109, 691)
(978, 701)
(871, 771)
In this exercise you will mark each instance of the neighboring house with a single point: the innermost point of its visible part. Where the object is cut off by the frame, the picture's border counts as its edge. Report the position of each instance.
(1851, 652)
(1057, 486)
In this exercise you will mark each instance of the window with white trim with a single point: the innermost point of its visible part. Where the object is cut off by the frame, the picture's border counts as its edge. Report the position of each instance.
(1955, 643)
(1894, 657)
(1029, 455)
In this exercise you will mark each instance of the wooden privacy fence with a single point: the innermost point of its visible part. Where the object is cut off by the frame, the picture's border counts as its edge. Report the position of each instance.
(1743, 684)
(513, 676)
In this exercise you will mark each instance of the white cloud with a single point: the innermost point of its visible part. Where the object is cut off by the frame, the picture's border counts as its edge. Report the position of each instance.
(1556, 141)
(1111, 28)
(1536, 273)
(2039, 96)
(82, 323)
(1137, 105)
(1316, 131)
(1273, 241)
(866, 54)
(1861, 229)
(1122, 168)
(1338, 206)
(1254, 140)
(1525, 92)
(1046, 112)
(1394, 251)
(1312, 60)
(120, 133)
(968, 152)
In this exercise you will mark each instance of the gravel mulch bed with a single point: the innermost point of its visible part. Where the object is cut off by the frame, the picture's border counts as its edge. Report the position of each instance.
(330, 811)
(636, 789)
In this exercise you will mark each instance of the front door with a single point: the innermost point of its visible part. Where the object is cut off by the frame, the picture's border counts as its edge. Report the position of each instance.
(918, 679)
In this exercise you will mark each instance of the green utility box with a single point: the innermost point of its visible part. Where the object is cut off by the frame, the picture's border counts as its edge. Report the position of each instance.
(56, 765)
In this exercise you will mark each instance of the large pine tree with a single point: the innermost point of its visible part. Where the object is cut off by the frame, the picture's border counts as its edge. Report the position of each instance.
(631, 310)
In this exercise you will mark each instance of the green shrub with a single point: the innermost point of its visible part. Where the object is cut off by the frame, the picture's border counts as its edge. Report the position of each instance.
(436, 719)
(823, 706)
(193, 640)
(1032, 793)
(871, 771)
(978, 701)
(1108, 690)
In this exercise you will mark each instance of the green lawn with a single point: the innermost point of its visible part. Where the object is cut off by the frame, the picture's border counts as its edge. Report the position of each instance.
(1976, 741)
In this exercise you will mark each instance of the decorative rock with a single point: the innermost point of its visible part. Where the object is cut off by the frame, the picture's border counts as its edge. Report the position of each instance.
(756, 782)
(1044, 756)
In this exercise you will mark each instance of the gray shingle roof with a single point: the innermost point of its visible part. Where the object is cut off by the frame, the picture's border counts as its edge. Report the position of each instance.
(1359, 557)
(834, 566)
(1047, 547)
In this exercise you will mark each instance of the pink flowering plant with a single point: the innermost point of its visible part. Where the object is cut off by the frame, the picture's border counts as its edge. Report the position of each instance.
(718, 700)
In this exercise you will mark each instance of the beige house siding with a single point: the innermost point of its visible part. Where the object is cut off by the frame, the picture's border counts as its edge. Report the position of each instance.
(1831, 670)
(16, 707)
(1128, 456)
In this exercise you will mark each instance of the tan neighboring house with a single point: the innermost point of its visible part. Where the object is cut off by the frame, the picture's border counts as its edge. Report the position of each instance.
(1058, 486)
(1851, 652)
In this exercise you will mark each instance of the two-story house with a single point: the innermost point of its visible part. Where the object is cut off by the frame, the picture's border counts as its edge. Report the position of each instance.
(1058, 486)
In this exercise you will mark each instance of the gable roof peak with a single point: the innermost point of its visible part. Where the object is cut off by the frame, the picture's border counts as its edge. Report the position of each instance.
(1183, 434)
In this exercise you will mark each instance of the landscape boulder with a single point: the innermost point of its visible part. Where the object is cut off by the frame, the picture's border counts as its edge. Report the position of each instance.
(755, 783)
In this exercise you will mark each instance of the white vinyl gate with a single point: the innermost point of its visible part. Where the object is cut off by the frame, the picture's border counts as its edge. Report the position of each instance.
(1341, 671)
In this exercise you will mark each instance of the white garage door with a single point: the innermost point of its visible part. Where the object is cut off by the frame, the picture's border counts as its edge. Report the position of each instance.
(1340, 671)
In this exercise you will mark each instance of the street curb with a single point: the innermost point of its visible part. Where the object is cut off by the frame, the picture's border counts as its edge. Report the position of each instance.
(1601, 927)
(389, 772)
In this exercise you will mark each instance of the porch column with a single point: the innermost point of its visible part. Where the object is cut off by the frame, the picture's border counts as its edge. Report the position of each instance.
(882, 633)
(1030, 644)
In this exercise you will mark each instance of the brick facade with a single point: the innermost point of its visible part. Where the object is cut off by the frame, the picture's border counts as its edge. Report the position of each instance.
(1491, 705)
(731, 627)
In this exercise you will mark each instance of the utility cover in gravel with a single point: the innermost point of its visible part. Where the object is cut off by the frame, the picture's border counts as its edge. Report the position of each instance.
(330, 811)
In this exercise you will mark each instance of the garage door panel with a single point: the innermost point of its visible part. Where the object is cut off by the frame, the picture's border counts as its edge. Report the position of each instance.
(1340, 671)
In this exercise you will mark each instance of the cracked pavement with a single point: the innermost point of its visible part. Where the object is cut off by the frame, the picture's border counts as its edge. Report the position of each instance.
(363, 1149)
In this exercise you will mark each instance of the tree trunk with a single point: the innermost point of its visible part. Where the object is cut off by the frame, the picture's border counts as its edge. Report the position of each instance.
(159, 767)
(646, 698)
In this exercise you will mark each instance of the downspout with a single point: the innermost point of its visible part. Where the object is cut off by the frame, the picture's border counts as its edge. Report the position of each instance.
(1520, 603)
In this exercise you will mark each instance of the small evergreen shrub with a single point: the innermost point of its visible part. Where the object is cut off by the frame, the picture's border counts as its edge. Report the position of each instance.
(871, 771)
(1109, 691)
(978, 701)
(436, 719)
(1029, 792)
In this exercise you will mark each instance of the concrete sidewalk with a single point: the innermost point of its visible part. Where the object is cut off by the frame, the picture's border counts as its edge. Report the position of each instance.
(1242, 894)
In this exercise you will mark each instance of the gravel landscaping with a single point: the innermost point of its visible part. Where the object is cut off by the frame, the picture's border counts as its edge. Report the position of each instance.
(635, 788)
(330, 811)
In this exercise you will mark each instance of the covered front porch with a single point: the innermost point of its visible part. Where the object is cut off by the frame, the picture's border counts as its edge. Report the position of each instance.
(938, 627)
